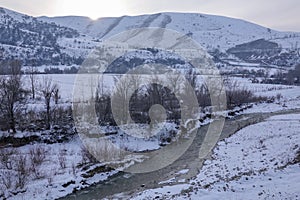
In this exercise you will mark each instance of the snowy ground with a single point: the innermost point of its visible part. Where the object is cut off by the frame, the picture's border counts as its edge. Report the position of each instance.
(258, 162)
(289, 96)
(60, 172)
(66, 83)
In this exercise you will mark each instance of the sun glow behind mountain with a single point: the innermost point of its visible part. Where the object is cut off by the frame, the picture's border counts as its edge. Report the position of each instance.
(93, 9)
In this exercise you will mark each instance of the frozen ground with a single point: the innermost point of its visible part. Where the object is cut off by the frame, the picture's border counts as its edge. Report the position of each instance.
(260, 161)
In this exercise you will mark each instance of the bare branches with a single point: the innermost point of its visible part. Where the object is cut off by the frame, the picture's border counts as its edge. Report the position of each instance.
(32, 76)
(49, 90)
(11, 93)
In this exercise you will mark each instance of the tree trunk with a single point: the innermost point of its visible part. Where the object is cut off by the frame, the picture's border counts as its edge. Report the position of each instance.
(12, 122)
(48, 120)
(32, 89)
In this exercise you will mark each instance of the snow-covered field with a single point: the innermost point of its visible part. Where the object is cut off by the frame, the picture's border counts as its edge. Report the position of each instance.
(258, 162)
(286, 97)
(67, 82)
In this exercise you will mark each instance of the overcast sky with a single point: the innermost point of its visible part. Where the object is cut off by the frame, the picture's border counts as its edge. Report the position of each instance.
(277, 14)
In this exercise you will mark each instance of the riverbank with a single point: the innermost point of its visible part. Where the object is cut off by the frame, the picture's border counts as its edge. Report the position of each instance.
(260, 161)
(189, 161)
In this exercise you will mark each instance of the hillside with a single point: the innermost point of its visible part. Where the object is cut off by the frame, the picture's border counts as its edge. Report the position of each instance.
(209, 30)
(38, 43)
(67, 40)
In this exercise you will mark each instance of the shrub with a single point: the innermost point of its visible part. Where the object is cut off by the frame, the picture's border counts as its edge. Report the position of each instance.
(22, 171)
(6, 179)
(86, 156)
(6, 157)
(37, 155)
(62, 158)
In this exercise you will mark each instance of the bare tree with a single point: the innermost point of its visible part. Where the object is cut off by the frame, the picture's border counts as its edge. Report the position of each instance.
(236, 94)
(155, 91)
(22, 171)
(175, 81)
(102, 103)
(203, 95)
(189, 89)
(32, 77)
(56, 94)
(123, 91)
(48, 88)
(231, 88)
(293, 76)
(191, 76)
(11, 93)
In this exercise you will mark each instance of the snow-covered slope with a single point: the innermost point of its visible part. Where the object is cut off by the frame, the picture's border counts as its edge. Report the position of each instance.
(209, 30)
(68, 40)
(37, 42)
(260, 161)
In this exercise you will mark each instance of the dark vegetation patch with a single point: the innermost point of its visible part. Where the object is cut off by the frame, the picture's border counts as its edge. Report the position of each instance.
(97, 170)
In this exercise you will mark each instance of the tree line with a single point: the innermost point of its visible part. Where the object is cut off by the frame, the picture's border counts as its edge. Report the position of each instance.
(16, 99)
(150, 94)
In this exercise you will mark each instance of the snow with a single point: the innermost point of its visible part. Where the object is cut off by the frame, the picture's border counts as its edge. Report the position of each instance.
(52, 176)
(166, 191)
(183, 171)
(250, 157)
(171, 180)
(140, 139)
(15, 15)
(254, 163)
(243, 64)
(289, 96)
(209, 31)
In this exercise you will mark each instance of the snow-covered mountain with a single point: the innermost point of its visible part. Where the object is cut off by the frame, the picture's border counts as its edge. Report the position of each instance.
(209, 30)
(73, 37)
(39, 43)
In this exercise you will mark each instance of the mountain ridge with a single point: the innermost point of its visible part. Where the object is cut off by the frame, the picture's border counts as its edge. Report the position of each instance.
(212, 32)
